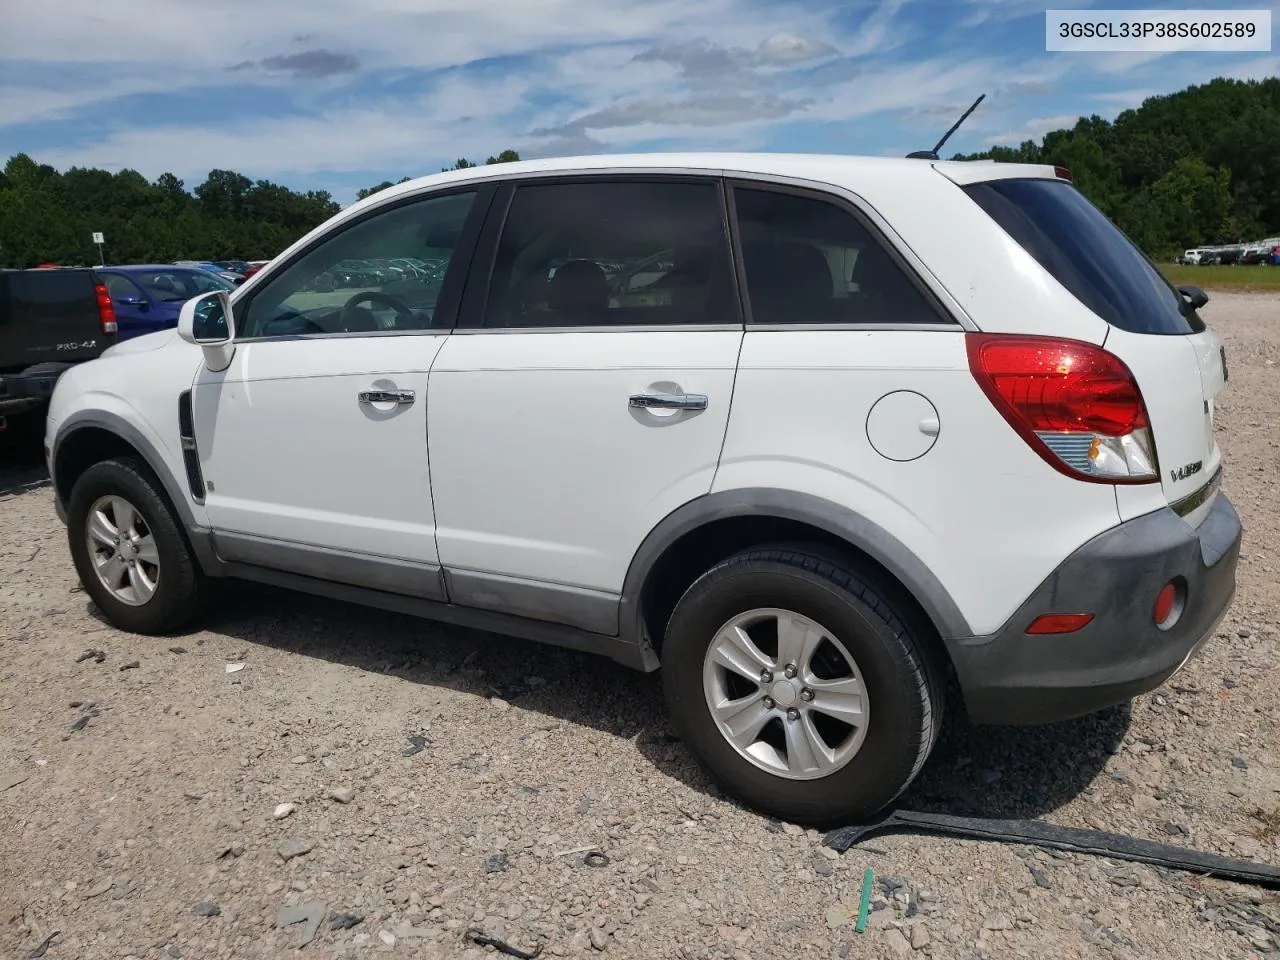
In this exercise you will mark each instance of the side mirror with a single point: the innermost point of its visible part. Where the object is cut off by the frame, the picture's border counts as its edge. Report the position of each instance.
(207, 321)
(1196, 297)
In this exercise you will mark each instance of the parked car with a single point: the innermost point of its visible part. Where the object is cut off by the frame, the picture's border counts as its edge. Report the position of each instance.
(1208, 258)
(946, 427)
(1191, 256)
(147, 298)
(1275, 257)
(232, 266)
(253, 266)
(229, 275)
(1228, 257)
(1255, 254)
(50, 320)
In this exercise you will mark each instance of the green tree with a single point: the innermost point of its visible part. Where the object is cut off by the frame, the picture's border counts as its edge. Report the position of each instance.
(1193, 167)
(47, 216)
(370, 191)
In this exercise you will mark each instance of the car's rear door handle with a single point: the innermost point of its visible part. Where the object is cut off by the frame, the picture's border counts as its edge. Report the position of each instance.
(386, 396)
(667, 401)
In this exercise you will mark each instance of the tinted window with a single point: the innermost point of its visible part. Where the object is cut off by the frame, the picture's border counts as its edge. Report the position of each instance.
(808, 261)
(1087, 254)
(119, 286)
(612, 254)
(355, 281)
(42, 295)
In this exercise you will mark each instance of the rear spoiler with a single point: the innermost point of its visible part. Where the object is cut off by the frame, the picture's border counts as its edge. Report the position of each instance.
(964, 172)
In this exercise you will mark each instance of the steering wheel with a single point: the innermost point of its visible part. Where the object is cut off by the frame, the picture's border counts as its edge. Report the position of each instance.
(373, 296)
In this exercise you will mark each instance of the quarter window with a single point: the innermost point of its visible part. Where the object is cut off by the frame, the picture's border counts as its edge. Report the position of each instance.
(810, 262)
(610, 254)
(381, 274)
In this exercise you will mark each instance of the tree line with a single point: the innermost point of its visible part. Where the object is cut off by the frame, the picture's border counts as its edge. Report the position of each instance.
(462, 163)
(1201, 166)
(47, 216)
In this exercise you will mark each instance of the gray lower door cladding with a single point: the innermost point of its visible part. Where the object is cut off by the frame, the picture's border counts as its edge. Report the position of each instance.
(386, 574)
(591, 610)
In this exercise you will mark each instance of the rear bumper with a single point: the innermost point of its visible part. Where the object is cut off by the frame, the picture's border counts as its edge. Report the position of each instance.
(24, 391)
(1011, 677)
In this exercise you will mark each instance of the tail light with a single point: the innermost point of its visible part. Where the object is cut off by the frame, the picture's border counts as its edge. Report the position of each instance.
(106, 312)
(1075, 404)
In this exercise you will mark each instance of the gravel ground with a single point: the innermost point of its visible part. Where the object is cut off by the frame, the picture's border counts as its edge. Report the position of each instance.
(160, 803)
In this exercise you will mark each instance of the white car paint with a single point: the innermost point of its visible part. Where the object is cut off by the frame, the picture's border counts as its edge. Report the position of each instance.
(290, 454)
(983, 512)
(139, 382)
(526, 450)
(542, 470)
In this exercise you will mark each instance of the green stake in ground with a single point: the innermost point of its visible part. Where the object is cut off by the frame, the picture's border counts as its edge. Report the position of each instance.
(865, 903)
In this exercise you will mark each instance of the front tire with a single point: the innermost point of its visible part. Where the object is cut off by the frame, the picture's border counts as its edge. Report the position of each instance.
(129, 550)
(799, 686)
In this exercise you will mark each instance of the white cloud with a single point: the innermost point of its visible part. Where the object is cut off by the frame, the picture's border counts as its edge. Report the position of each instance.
(1260, 68)
(400, 87)
(983, 11)
(19, 104)
(1035, 129)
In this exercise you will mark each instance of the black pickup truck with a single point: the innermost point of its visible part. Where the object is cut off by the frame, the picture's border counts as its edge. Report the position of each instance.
(50, 319)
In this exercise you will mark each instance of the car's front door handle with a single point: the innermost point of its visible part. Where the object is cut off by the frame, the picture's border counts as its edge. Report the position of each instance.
(386, 396)
(667, 401)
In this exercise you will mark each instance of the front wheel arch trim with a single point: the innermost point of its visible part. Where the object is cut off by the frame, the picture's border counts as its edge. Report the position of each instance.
(197, 536)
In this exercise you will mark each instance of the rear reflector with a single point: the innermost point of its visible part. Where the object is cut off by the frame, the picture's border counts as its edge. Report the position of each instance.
(1059, 623)
(1075, 404)
(1168, 608)
(106, 310)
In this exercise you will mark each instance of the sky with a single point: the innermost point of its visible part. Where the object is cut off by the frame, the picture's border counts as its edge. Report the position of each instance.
(340, 94)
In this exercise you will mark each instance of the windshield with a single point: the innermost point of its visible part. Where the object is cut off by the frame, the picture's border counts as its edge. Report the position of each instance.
(1087, 254)
(178, 285)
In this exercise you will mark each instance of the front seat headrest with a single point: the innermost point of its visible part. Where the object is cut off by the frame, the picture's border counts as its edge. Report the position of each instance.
(579, 285)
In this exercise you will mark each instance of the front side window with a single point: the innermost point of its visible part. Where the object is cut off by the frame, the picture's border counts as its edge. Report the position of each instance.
(381, 274)
(119, 286)
(612, 254)
(810, 262)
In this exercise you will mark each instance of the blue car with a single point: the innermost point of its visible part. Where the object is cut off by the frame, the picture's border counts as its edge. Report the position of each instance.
(148, 298)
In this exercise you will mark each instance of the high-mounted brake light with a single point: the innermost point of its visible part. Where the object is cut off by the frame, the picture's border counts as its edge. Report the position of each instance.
(106, 311)
(1074, 403)
(1062, 173)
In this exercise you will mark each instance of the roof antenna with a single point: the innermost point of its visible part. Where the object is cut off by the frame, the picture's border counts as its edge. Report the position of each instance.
(933, 154)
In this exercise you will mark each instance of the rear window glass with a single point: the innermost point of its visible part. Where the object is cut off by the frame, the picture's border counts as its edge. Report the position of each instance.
(1087, 254)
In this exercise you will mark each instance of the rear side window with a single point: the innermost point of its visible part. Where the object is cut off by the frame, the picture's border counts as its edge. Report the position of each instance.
(39, 296)
(613, 254)
(809, 261)
(1087, 254)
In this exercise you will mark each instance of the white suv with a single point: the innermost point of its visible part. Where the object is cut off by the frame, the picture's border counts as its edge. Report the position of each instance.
(812, 434)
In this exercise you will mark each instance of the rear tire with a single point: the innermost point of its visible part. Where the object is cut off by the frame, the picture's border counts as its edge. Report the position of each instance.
(848, 732)
(129, 551)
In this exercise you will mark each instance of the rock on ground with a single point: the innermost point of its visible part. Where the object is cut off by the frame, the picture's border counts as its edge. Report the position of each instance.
(169, 791)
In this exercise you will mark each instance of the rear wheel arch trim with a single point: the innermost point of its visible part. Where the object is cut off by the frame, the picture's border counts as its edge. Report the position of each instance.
(113, 423)
(764, 502)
